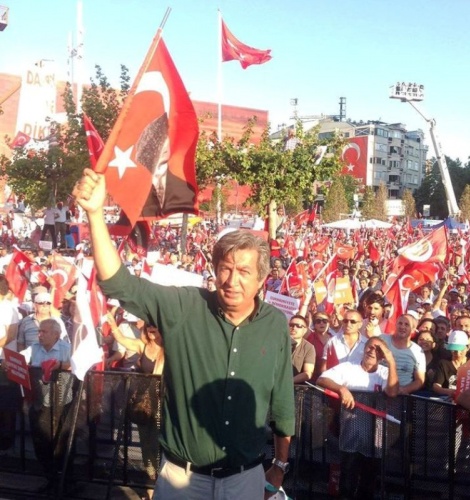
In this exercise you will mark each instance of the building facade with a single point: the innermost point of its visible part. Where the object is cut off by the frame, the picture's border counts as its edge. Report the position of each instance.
(380, 152)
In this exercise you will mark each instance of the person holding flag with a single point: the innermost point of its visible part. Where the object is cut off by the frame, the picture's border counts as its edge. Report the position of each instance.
(208, 444)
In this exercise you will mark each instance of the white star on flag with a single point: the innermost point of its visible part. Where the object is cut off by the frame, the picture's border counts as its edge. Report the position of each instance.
(122, 160)
(350, 167)
(21, 264)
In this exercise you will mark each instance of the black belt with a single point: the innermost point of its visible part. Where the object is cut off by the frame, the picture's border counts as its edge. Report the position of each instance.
(210, 470)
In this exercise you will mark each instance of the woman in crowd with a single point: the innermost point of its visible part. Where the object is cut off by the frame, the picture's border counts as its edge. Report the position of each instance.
(427, 342)
(142, 404)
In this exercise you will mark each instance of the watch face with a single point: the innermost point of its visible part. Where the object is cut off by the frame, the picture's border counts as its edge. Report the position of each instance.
(284, 466)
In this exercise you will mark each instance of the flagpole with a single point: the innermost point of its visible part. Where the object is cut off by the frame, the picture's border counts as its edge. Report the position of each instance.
(219, 79)
(218, 209)
(79, 73)
(101, 164)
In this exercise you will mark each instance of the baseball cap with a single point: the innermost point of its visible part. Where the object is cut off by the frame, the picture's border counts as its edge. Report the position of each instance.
(457, 341)
(454, 290)
(43, 297)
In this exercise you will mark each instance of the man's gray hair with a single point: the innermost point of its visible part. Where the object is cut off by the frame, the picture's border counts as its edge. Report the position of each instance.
(243, 240)
(51, 324)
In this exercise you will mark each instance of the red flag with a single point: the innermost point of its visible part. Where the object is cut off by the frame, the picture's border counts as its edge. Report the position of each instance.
(374, 253)
(293, 283)
(289, 245)
(234, 50)
(200, 262)
(64, 274)
(431, 248)
(18, 273)
(301, 218)
(344, 251)
(320, 246)
(94, 141)
(149, 156)
(20, 140)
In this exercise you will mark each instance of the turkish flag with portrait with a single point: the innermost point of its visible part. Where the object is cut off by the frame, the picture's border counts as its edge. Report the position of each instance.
(158, 95)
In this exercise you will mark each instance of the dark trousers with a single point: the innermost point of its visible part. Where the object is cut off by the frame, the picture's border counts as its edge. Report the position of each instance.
(49, 228)
(358, 476)
(60, 233)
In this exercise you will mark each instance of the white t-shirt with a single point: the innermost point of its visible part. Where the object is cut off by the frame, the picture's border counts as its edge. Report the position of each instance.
(8, 316)
(355, 378)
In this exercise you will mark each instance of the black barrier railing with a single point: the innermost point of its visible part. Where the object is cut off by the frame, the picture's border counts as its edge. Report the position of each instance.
(105, 432)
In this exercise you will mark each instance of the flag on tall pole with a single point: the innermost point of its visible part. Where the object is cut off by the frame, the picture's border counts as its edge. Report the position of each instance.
(234, 50)
(150, 153)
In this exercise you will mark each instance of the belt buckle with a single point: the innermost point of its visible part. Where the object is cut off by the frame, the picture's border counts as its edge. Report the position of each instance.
(215, 470)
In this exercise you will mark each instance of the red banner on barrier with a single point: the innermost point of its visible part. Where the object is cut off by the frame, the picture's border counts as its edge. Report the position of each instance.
(17, 368)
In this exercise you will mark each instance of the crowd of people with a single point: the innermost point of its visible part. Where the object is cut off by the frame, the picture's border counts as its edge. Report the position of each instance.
(149, 327)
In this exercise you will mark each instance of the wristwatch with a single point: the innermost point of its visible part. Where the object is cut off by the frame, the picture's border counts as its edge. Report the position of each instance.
(284, 466)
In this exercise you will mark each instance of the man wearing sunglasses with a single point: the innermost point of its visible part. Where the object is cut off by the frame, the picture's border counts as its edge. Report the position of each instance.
(318, 337)
(303, 352)
(347, 344)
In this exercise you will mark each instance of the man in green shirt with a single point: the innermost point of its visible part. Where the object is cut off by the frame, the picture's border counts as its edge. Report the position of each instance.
(227, 361)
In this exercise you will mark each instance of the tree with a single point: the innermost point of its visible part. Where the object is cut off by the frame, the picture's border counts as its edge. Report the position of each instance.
(432, 192)
(272, 173)
(368, 203)
(409, 204)
(464, 204)
(50, 174)
(380, 206)
(336, 204)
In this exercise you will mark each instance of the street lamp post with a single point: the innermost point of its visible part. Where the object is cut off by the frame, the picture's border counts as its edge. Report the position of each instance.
(412, 93)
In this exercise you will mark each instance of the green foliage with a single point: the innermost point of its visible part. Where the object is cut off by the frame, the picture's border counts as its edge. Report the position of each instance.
(432, 192)
(336, 205)
(272, 172)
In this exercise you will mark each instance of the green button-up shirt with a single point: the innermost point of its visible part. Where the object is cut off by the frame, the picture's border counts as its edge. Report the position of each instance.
(220, 379)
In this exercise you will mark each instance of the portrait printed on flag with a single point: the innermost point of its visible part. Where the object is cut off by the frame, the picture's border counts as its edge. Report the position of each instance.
(169, 193)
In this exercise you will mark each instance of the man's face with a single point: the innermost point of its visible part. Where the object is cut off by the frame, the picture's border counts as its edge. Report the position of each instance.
(441, 331)
(372, 352)
(46, 337)
(375, 310)
(403, 328)
(237, 280)
(363, 283)
(463, 323)
(351, 323)
(161, 167)
(425, 292)
(297, 329)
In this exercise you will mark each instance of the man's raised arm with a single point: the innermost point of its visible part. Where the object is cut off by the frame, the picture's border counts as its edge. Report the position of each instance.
(90, 193)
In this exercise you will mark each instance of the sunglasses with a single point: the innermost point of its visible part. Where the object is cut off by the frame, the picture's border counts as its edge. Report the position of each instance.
(43, 303)
(296, 325)
(321, 320)
(352, 321)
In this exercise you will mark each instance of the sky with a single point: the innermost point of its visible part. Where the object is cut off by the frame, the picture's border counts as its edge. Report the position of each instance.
(321, 51)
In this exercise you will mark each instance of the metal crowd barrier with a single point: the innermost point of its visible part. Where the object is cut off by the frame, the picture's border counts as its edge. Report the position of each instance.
(107, 437)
